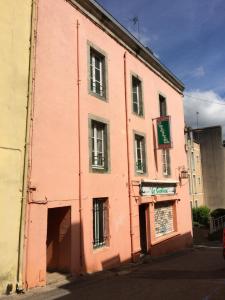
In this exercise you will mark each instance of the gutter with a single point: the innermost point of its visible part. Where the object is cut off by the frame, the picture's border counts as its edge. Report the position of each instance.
(26, 168)
(107, 22)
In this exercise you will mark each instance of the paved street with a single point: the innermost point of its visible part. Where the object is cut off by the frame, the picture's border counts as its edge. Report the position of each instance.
(192, 274)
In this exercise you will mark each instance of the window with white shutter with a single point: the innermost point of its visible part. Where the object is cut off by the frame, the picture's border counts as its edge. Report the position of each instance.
(164, 218)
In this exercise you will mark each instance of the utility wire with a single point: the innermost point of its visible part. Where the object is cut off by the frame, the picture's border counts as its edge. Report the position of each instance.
(204, 100)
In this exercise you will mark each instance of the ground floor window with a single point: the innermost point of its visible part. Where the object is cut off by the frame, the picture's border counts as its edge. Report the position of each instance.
(100, 222)
(164, 218)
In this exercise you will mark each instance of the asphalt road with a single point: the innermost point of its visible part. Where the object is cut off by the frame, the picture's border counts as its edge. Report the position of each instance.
(196, 274)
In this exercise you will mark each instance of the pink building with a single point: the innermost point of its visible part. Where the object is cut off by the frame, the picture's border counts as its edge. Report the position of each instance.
(101, 192)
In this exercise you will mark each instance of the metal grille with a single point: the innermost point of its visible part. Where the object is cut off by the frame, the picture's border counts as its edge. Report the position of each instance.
(164, 218)
(100, 222)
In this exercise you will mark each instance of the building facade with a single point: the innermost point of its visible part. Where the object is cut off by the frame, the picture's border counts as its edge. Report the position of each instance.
(96, 174)
(105, 146)
(196, 187)
(213, 166)
(15, 30)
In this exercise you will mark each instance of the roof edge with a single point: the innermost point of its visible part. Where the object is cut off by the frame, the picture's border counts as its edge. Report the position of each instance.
(108, 21)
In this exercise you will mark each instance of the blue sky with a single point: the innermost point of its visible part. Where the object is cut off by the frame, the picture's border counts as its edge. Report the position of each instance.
(188, 36)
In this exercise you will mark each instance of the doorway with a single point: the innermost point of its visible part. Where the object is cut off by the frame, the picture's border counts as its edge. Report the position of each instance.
(59, 240)
(143, 211)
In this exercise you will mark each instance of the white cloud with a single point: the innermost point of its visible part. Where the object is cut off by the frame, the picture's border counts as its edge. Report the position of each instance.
(198, 72)
(211, 109)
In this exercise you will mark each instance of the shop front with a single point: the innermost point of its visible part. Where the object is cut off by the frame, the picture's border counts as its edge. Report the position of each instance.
(157, 213)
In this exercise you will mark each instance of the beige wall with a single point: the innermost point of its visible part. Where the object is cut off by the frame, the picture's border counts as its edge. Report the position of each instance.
(195, 173)
(14, 64)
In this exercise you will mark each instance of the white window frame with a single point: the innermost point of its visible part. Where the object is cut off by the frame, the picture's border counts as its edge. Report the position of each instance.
(137, 89)
(166, 162)
(139, 140)
(96, 128)
(94, 55)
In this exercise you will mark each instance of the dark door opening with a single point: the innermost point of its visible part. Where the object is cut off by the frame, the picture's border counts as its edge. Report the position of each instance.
(143, 208)
(59, 239)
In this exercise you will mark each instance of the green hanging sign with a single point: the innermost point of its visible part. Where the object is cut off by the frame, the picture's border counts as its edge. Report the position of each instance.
(163, 130)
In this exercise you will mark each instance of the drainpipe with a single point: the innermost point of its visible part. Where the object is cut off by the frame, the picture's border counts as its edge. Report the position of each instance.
(26, 164)
(128, 156)
(79, 149)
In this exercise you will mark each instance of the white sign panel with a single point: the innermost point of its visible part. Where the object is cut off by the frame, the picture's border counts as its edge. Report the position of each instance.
(157, 190)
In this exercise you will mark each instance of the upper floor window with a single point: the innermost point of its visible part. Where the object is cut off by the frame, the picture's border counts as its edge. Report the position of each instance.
(193, 161)
(194, 185)
(162, 106)
(137, 96)
(97, 73)
(99, 145)
(166, 162)
(140, 161)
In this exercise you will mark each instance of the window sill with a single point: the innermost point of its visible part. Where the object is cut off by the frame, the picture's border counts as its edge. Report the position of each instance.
(140, 172)
(97, 168)
(139, 116)
(103, 98)
(101, 249)
(164, 238)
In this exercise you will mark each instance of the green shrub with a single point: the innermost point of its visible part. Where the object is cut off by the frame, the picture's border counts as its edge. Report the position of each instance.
(219, 212)
(201, 215)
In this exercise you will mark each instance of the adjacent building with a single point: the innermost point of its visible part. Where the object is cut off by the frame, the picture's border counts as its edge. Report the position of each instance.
(105, 146)
(196, 188)
(15, 31)
(213, 165)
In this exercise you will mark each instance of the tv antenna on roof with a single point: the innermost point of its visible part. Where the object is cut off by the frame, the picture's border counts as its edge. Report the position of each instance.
(136, 27)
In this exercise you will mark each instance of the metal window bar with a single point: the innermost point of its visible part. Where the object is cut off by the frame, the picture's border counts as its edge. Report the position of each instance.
(100, 223)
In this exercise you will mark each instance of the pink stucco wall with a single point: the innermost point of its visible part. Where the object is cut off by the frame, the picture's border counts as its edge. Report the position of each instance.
(54, 156)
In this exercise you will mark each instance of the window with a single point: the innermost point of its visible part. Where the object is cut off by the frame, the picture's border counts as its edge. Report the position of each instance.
(99, 145)
(140, 154)
(100, 222)
(166, 162)
(190, 184)
(164, 218)
(194, 185)
(162, 106)
(197, 159)
(192, 161)
(137, 96)
(97, 73)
